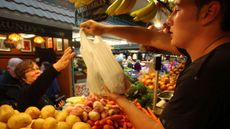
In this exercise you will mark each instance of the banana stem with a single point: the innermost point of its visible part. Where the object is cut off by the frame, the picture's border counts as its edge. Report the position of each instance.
(150, 1)
(165, 5)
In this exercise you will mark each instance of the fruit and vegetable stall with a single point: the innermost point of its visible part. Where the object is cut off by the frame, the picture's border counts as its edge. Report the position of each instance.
(81, 112)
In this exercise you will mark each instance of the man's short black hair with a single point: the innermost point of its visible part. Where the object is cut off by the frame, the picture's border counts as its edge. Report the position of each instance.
(225, 9)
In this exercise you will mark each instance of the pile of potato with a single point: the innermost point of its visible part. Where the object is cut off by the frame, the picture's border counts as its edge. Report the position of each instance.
(33, 118)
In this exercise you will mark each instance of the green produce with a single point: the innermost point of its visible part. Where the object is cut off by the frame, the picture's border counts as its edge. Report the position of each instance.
(140, 92)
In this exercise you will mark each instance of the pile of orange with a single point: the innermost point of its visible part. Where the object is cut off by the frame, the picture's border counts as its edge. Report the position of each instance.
(148, 80)
(166, 81)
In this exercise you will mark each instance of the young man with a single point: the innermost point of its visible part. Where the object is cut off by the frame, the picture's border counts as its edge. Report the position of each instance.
(199, 29)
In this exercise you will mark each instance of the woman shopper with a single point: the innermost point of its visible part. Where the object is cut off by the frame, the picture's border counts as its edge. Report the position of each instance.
(34, 83)
(200, 30)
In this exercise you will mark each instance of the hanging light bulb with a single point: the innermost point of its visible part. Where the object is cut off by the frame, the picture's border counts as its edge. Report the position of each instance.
(158, 24)
(27, 36)
(14, 37)
(39, 40)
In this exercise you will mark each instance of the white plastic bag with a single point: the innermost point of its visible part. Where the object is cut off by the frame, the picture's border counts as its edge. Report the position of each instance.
(102, 67)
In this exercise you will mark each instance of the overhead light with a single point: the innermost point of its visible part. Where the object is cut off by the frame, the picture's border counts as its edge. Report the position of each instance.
(27, 36)
(39, 40)
(59, 40)
(158, 24)
(14, 37)
(2, 37)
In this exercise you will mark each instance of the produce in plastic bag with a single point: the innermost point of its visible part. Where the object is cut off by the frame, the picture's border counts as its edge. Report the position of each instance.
(102, 67)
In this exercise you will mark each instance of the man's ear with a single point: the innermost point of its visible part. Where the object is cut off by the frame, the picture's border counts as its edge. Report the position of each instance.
(209, 12)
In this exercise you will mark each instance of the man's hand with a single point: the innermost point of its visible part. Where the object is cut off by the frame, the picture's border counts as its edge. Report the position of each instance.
(115, 96)
(92, 27)
(65, 60)
(165, 28)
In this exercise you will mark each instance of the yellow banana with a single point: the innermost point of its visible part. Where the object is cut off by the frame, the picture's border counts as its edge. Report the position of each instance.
(71, 1)
(86, 2)
(149, 17)
(136, 18)
(144, 11)
(111, 9)
(125, 6)
(77, 3)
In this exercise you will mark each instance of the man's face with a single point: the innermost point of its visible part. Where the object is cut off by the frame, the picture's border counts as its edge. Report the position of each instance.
(183, 23)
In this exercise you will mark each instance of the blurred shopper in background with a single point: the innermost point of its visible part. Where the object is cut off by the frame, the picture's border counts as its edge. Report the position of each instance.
(8, 76)
(137, 66)
(9, 83)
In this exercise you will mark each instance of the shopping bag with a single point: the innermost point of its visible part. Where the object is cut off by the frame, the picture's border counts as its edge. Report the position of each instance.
(94, 81)
(102, 67)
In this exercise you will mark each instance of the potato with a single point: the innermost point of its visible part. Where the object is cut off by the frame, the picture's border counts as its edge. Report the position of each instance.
(77, 111)
(94, 116)
(71, 119)
(47, 111)
(34, 112)
(63, 125)
(104, 114)
(81, 125)
(3, 125)
(16, 112)
(84, 116)
(19, 120)
(38, 123)
(6, 111)
(61, 116)
(50, 123)
(98, 105)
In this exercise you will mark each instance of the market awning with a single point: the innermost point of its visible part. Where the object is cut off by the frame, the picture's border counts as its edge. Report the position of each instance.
(38, 12)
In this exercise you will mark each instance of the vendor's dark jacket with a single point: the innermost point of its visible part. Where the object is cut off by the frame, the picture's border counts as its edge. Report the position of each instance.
(31, 95)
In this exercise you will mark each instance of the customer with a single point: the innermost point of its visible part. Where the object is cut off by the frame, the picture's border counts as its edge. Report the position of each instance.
(54, 89)
(9, 77)
(9, 83)
(34, 84)
(199, 29)
(137, 66)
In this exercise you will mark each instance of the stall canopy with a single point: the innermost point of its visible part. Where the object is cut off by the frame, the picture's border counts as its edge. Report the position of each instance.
(56, 13)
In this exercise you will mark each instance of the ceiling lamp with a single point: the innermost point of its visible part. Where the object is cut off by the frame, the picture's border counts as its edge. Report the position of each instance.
(27, 36)
(14, 37)
(3, 38)
(39, 40)
(158, 24)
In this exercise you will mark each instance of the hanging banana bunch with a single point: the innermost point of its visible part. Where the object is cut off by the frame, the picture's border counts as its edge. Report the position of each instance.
(120, 7)
(146, 13)
(71, 1)
(86, 2)
(79, 3)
